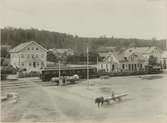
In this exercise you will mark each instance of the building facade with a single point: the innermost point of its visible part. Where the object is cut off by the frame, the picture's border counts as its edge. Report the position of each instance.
(130, 60)
(146, 52)
(29, 56)
(164, 60)
(109, 64)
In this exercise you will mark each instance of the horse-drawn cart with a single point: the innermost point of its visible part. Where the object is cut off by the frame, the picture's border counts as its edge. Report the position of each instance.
(115, 97)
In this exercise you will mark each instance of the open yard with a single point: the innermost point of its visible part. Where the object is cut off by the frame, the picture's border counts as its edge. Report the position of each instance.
(146, 100)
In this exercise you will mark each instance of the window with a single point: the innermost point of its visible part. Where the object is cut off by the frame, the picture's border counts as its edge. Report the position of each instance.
(123, 66)
(32, 55)
(102, 66)
(36, 55)
(42, 64)
(107, 66)
(37, 64)
(42, 55)
(28, 55)
(32, 48)
(22, 64)
(12, 56)
(30, 64)
(37, 48)
(129, 66)
(132, 66)
(28, 48)
(22, 56)
(132, 58)
(113, 67)
(135, 66)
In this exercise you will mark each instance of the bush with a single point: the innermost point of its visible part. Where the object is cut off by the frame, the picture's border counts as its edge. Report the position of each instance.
(8, 70)
(3, 76)
(30, 74)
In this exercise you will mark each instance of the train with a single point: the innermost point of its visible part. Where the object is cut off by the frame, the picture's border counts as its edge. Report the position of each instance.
(48, 73)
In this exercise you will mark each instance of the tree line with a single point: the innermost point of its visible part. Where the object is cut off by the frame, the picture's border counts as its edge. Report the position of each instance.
(14, 36)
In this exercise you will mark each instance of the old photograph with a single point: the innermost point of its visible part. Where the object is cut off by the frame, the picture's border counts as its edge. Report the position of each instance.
(83, 61)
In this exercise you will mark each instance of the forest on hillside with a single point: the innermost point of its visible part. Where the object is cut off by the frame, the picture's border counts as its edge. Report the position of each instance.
(14, 36)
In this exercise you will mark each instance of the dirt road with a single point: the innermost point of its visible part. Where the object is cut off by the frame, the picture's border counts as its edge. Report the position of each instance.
(75, 103)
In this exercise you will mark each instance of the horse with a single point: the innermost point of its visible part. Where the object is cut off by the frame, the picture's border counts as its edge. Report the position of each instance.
(99, 100)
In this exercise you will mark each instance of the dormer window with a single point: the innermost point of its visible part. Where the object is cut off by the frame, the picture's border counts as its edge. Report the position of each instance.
(125, 58)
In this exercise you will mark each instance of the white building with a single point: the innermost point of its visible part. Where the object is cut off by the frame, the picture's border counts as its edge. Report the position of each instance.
(28, 55)
(164, 60)
(146, 52)
(131, 62)
(109, 64)
(122, 62)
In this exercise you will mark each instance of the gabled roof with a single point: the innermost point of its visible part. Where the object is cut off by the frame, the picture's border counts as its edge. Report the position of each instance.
(111, 55)
(142, 50)
(124, 56)
(113, 60)
(23, 45)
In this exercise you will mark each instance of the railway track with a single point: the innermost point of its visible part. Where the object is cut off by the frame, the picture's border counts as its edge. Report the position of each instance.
(13, 86)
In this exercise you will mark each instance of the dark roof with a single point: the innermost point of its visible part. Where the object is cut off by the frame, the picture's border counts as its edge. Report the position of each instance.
(23, 45)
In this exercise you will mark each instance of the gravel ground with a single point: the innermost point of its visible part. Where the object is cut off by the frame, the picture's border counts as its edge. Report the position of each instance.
(146, 101)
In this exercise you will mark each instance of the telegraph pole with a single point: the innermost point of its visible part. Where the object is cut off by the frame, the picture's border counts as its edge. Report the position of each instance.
(59, 69)
(97, 63)
(87, 65)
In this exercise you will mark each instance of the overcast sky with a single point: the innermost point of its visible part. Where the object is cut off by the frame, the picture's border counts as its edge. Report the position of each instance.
(92, 18)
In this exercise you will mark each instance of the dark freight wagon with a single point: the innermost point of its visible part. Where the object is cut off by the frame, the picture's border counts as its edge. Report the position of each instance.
(48, 73)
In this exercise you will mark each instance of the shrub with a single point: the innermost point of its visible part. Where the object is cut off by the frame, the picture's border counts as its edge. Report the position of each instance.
(3, 76)
(30, 74)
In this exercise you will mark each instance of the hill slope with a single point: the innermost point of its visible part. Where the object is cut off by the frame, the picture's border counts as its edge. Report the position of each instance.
(14, 36)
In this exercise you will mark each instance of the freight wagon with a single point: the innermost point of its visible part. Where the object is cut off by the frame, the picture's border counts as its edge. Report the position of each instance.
(48, 73)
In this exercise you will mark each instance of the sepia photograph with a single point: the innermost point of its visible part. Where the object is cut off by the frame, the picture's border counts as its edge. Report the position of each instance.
(83, 61)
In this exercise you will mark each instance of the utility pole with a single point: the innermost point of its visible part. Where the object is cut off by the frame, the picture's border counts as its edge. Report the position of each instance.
(88, 66)
(97, 63)
(59, 69)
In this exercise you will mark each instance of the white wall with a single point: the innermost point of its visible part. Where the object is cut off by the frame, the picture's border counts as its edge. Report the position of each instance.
(23, 59)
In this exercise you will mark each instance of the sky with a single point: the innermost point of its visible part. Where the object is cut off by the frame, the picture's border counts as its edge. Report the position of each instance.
(89, 18)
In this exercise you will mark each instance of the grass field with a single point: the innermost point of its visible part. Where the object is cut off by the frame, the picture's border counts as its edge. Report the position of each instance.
(146, 100)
